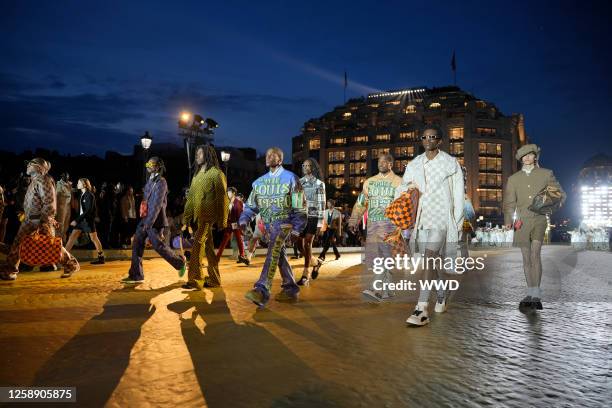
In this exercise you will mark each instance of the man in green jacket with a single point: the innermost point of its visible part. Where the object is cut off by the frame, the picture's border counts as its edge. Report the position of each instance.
(521, 188)
(207, 204)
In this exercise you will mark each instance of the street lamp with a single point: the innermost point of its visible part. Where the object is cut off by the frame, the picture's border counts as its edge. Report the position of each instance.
(225, 156)
(145, 142)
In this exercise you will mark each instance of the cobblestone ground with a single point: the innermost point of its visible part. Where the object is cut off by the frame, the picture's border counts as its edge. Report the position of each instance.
(157, 345)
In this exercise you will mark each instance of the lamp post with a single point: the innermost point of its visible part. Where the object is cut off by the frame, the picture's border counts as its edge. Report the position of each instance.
(195, 130)
(145, 142)
(225, 156)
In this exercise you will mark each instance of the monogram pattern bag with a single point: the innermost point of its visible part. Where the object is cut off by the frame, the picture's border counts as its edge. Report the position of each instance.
(402, 211)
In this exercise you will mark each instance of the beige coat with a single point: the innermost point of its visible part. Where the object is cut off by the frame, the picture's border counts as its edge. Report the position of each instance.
(520, 190)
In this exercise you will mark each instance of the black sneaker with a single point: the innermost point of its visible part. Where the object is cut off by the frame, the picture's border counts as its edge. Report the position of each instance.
(99, 261)
(536, 303)
(304, 281)
(243, 259)
(315, 270)
(525, 306)
(190, 286)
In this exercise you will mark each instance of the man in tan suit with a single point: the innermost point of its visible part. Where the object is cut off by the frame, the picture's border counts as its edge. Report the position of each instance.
(521, 188)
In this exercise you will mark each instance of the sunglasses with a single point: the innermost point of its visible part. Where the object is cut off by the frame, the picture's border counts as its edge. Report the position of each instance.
(150, 164)
(430, 137)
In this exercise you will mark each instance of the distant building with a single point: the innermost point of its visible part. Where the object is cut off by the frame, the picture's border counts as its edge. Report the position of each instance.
(348, 140)
(595, 186)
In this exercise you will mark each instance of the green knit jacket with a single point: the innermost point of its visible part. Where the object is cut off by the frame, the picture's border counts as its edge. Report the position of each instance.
(207, 200)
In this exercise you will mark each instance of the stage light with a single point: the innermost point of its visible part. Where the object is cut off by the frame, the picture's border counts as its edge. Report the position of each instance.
(211, 123)
(185, 116)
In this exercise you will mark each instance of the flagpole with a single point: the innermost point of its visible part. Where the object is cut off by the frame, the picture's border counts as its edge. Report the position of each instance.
(345, 84)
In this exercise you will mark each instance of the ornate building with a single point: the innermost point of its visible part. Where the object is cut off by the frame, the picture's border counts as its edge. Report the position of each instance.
(348, 140)
(595, 183)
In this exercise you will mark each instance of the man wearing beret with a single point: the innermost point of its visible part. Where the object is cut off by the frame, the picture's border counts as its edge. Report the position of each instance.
(529, 227)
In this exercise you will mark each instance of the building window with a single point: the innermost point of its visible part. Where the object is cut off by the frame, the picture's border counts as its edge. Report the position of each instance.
(486, 132)
(407, 135)
(393, 103)
(336, 156)
(378, 152)
(489, 180)
(360, 139)
(404, 151)
(337, 141)
(455, 133)
(358, 168)
(456, 148)
(410, 109)
(434, 105)
(335, 170)
(400, 165)
(356, 182)
(314, 144)
(373, 105)
(490, 194)
(491, 149)
(489, 163)
(358, 155)
(347, 115)
(337, 182)
(383, 137)
(481, 104)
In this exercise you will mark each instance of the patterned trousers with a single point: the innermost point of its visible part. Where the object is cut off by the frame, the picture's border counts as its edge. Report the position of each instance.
(136, 271)
(203, 246)
(28, 227)
(376, 247)
(277, 257)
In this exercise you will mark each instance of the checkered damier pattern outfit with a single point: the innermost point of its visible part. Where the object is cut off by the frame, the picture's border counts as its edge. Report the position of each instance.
(314, 190)
(434, 202)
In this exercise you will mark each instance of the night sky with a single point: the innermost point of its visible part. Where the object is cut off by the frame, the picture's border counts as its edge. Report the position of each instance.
(81, 77)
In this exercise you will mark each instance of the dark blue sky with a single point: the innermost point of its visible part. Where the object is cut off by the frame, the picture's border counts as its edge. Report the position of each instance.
(84, 77)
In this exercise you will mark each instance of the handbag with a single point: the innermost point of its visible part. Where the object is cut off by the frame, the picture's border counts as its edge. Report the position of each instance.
(38, 249)
(144, 204)
(402, 211)
(547, 201)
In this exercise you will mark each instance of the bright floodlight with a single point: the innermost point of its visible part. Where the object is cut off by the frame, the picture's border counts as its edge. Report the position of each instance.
(185, 116)
(225, 156)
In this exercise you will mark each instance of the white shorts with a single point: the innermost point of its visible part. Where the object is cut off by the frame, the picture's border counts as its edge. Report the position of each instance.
(431, 239)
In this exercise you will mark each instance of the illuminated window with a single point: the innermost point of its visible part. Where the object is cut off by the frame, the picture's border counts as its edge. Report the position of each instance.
(378, 152)
(486, 132)
(489, 163)
(314, 144)
(489, 179)
(404, 151)
(490, 194)
(383, 137)
(337, 182)
(373, 105)
(336, 156)
(489, 211)
(407, 135)
(481, 104)
(360, 139)
(434, 105)
(358, 154)
(356, 182)
(400, 165)
(347, 115)
(393, 103)
(456, 148)
(455, 133)
(358, 168)
(410, 109)
(337, 141)
(335, 170)
(492, 149)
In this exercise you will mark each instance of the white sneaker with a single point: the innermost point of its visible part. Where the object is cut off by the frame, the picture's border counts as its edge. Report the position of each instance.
(371, 295)
(441, 306)
(418, 317)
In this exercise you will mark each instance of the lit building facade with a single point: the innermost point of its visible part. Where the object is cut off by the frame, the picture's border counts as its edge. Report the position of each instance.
(348, 140)
(595, 187)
